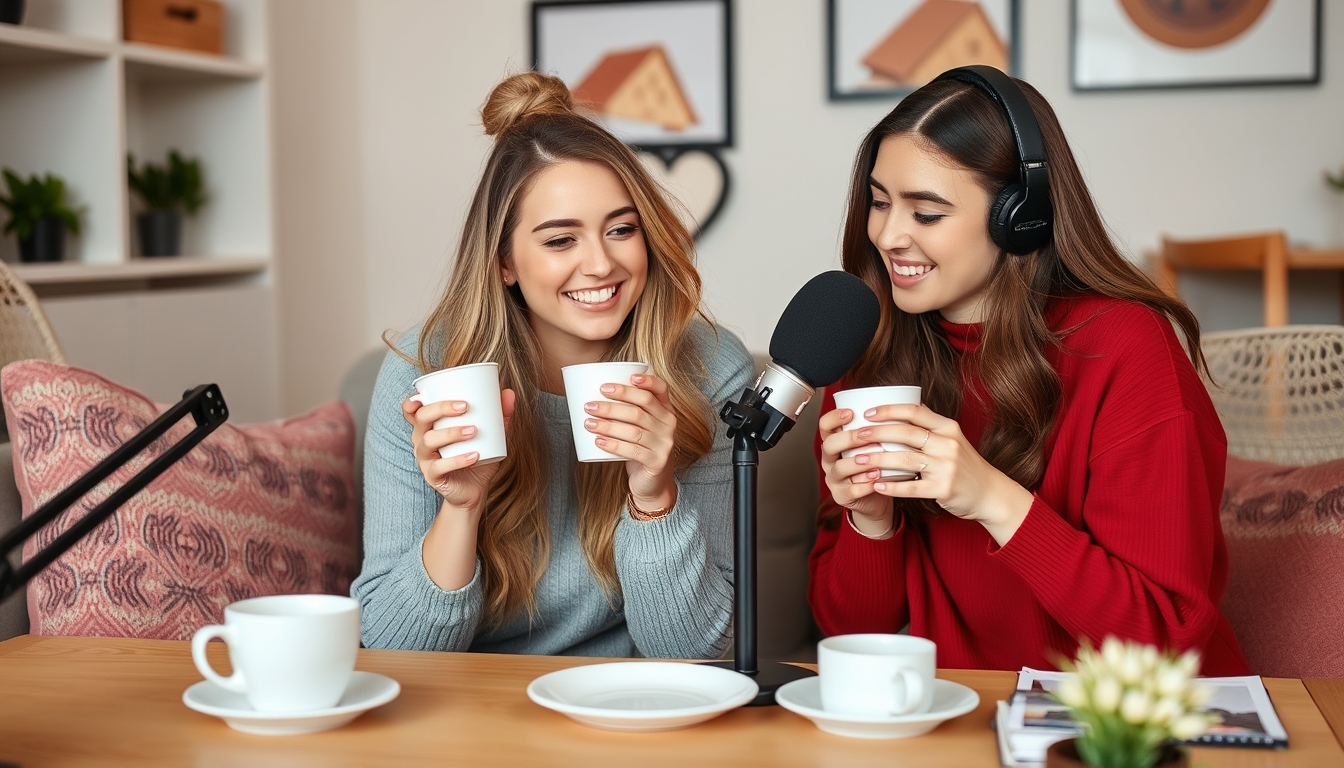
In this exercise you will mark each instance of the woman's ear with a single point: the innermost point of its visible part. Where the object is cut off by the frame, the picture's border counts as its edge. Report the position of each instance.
(506, 272)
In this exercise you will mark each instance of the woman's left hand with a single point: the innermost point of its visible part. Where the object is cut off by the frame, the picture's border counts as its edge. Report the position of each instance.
(950, 470)
(639, 427)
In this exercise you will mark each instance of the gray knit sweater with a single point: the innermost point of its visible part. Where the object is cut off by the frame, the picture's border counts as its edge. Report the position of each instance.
(676, 573)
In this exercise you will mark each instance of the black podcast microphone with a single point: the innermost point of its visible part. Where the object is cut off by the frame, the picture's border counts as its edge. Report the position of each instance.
(825, 328)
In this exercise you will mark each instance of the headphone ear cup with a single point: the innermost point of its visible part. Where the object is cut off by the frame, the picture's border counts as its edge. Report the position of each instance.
(1001, 214)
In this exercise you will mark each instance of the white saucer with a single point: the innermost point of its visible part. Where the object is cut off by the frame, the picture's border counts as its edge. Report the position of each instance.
(366, 691)
(949, 700)
(642, 695)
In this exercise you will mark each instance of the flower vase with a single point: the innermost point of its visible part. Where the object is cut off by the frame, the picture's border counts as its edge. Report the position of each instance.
(1064, 754)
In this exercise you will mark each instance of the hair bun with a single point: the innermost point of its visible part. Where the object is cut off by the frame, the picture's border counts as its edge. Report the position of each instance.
(523, 96)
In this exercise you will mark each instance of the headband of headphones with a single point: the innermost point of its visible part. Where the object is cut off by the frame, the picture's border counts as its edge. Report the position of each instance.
(1021, 218)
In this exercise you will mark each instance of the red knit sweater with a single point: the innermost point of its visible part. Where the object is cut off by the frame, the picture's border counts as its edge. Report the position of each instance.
(1123, 537)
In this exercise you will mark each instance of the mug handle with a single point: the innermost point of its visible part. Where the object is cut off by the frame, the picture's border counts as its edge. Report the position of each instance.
(910, 682)
(204, 635)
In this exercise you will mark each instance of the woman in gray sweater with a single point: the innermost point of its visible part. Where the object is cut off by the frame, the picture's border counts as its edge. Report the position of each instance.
(569, 255)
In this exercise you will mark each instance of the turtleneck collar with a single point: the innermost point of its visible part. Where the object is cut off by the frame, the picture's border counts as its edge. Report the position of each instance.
(964, 337)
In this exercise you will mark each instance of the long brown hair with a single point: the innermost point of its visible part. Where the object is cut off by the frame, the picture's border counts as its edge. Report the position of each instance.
(535, 125)
(962, 123)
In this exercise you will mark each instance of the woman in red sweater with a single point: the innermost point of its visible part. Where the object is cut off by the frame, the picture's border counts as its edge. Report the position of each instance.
(1070, 462)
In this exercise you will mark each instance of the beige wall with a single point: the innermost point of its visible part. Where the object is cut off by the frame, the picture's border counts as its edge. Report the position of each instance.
(379, 146)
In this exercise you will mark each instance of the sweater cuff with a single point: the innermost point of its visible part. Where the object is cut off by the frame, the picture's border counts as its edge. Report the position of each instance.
(868, 553)
(1045, 550)
(664, 538)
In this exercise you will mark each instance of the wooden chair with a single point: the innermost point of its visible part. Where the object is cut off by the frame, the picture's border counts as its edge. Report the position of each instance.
(1266, 252)
(25, 333)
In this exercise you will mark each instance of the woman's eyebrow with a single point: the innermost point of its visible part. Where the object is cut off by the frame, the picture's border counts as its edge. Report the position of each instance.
(923, 194)
(562, 223)
(621, 212)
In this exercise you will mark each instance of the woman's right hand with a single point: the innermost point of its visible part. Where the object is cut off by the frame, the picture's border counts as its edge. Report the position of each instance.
(458, 480)
(850, 481)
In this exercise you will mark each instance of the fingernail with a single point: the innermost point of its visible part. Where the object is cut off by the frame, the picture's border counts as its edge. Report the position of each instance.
(862, 458)
(459, 406)
(638, 378)
(874, 473)
(602, 441)
(845, 413)
(607, 389)
(879, 486)
(865, 433)
(590, 407)
(468, 431)
(870, 413)
(590, 423)
(474, 455)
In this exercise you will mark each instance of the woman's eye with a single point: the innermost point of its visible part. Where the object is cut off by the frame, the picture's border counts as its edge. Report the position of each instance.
(879, 205)
(623, 230)
(927, 218)
(560, 242)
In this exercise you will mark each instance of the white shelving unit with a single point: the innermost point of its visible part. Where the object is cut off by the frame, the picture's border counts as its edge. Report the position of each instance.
(75, 99)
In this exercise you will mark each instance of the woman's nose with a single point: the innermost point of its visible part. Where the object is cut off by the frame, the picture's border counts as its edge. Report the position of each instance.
(596, 262)
(894, 235)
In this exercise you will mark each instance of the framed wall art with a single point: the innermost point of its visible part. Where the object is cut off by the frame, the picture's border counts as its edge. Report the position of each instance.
(1133, 44)
(888, 48)
(657, 73)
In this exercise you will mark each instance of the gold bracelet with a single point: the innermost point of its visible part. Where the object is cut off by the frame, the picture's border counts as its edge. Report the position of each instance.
(643, 516)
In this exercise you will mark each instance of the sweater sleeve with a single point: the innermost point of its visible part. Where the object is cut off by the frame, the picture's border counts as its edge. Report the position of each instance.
(1141, 565)
(401, 607)
(676, 572)
(857, 584)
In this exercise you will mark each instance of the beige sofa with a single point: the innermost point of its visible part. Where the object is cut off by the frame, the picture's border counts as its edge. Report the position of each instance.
(787, 505)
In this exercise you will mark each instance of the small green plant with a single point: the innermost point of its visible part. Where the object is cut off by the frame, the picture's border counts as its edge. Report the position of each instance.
(177, 186)
(1131, 700)
(35, 199)
(1335, 181)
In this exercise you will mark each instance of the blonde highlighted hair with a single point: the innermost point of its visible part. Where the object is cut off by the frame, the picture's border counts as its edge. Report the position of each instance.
(533, 120)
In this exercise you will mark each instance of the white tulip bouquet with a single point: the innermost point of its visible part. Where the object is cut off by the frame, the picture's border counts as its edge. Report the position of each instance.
(1131, 699)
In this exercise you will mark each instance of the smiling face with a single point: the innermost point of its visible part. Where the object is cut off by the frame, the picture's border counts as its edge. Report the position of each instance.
(928, 219)
(578, 255)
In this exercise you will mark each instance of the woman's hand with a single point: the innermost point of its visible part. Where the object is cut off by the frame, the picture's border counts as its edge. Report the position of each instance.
(949, 469)
(640, 427)
(850, 483)
(461, 483)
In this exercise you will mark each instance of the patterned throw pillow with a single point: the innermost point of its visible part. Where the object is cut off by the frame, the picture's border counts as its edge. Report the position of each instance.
(1285, 542)
(257, 509)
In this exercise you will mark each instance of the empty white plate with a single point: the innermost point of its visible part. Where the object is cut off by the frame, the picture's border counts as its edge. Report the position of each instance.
(642, 695)
(366, 691)
(949, 700)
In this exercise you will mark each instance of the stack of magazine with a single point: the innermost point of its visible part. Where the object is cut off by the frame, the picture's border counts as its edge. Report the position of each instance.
(1031, 720)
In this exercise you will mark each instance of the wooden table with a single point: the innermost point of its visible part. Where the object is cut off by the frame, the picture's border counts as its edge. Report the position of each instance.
(112, 702)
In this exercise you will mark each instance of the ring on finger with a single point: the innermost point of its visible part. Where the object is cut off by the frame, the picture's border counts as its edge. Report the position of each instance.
(926, 441)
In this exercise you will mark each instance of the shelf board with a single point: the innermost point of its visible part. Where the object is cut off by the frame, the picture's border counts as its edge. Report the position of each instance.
(159, 63)
(30, 44)
(69, 273)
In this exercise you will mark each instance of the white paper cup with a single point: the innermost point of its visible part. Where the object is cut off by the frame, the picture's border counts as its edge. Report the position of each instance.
(478, 386)
(863, 398)
(878, 675)
(290, 653)
(583, 384)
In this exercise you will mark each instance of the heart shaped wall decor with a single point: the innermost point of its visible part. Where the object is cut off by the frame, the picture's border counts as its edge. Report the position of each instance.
(695, 178)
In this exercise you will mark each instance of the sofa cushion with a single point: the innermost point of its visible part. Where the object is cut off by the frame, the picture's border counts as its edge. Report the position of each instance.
(1285, 538)
(253, 510)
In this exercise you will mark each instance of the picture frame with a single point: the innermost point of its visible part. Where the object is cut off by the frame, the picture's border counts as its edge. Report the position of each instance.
(656, 73)
(887, 48)
(1121, 45)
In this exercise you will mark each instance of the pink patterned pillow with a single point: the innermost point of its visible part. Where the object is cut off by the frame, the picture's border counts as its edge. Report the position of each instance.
(257, 509)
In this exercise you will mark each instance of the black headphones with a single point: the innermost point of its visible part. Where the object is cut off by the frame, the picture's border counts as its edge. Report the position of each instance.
(1021, 218)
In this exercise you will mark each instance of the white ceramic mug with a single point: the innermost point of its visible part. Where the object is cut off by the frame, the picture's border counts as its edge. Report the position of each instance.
(290, 653)
(876, 675)
(477, 385)
(583, 385)
(863, 398)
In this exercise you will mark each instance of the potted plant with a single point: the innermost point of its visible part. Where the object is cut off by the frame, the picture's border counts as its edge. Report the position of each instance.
(1133, 704)
(39, 215)
(167, 192)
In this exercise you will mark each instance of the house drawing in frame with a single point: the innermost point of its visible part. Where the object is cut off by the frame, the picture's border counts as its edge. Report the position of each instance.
(937, 36)
(639, 84)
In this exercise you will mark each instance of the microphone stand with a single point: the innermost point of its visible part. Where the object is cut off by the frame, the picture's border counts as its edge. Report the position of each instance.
(206, 405)
(754, 426)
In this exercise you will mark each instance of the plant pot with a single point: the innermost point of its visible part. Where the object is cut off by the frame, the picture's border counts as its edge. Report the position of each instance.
(11, 11)
(1064, 754)
(46, 243)
(160, 233)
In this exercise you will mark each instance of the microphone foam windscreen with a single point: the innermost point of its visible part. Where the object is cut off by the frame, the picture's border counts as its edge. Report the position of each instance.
(826, 327)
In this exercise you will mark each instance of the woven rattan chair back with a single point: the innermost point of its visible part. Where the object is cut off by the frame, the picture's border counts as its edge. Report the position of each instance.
(1280, 391)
